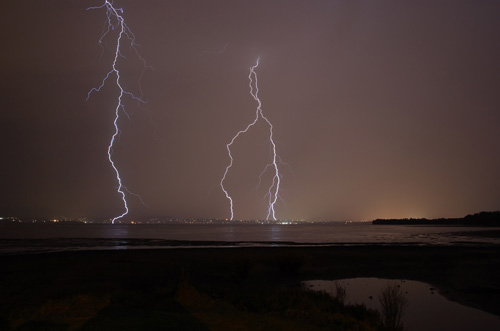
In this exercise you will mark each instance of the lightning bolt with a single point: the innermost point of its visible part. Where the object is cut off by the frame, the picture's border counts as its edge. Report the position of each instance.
(273, 191)
(115, 21)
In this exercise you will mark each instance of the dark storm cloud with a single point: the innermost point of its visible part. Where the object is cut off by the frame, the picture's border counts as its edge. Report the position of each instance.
(382, 109)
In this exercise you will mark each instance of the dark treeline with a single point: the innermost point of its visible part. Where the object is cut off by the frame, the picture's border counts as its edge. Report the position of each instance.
(485, 218)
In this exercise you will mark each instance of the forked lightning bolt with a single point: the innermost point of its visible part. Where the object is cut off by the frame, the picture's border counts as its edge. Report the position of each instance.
(115, 21)
(273, 191)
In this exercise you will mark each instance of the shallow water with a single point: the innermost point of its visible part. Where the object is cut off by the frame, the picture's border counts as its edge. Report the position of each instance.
(427, 310)
(25, 237)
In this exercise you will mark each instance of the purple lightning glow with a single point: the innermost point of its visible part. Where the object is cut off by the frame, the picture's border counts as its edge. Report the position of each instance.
(116, 21)
(273, 192)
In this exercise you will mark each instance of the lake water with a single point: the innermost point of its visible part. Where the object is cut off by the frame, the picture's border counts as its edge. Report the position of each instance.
(28, 237)
(427, 310)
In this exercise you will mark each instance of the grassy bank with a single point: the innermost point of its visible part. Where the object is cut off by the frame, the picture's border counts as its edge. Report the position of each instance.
(248, 288)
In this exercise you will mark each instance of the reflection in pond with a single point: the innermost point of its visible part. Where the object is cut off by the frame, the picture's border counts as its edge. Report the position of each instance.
(427, 310)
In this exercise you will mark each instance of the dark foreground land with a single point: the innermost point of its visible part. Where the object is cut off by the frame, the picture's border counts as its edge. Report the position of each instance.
(226, 288)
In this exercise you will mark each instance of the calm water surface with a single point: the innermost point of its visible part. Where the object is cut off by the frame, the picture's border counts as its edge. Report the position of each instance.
(22, 237)
(427, 310)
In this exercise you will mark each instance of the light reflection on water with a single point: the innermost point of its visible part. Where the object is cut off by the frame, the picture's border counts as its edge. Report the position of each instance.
(352, 232)
(427, 310)
(62, 236)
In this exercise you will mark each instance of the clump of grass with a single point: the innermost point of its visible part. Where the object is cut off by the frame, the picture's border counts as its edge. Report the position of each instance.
(271, 304)
(339, 292)
(322, 310)
(317, 309)
(394, 304)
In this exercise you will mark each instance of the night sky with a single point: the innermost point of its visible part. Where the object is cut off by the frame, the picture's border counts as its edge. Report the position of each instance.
(382, 109)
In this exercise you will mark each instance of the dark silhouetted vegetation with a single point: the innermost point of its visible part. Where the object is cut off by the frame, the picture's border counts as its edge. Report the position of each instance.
(187, 306)
(393, 303)
(224, 289)
(479, 219)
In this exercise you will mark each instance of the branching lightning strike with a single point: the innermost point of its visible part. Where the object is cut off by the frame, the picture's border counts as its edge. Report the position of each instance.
(273, 192)
(115, 20)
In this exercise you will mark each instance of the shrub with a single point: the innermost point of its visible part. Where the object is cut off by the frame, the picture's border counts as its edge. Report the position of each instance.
(394, 303)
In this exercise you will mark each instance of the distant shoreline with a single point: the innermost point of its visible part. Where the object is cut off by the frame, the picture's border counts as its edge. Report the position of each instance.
(484, 218)
(480, 219)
